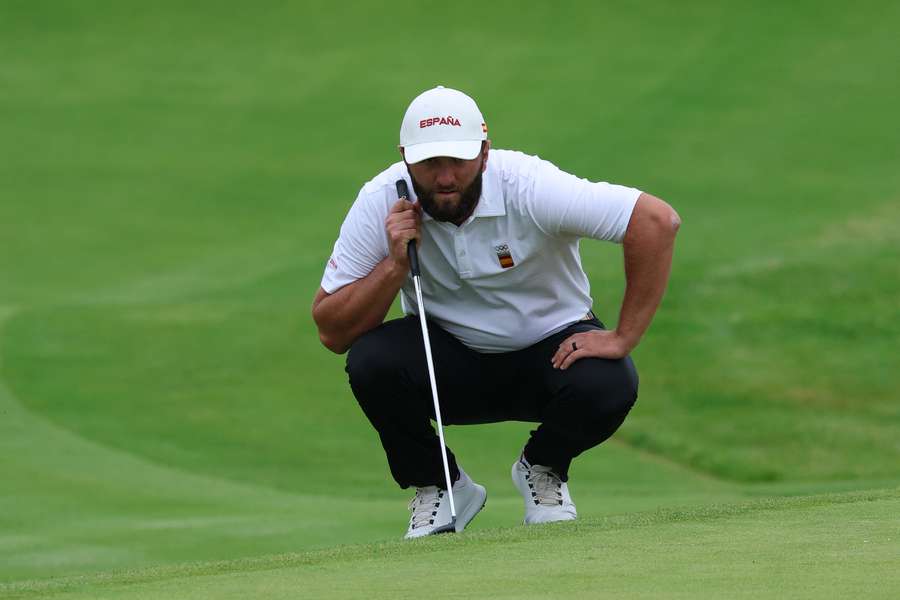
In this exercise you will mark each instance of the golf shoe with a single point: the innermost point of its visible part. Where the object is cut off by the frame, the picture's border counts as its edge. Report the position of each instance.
(430, 507)
(546, 495)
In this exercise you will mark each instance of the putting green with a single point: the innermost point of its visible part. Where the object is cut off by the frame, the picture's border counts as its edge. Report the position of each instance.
(831, 546)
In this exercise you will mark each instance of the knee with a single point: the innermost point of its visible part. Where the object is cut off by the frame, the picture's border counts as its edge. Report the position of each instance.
(378, 356)
(367, 359)
(608, 389)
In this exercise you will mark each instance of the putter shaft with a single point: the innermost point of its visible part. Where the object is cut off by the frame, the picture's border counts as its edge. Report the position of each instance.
(403, 192)
(434, 394)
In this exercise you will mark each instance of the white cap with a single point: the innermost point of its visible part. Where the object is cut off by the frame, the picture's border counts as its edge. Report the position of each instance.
(442, 122)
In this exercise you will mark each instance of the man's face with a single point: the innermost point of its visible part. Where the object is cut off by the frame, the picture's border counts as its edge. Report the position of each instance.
(449, 188)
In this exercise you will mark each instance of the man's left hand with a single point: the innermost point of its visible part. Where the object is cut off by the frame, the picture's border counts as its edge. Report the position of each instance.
(597, 344)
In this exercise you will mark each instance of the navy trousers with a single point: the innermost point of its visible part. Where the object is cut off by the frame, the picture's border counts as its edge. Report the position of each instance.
(576, 409)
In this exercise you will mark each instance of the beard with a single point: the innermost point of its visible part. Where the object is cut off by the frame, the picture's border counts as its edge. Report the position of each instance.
(445, 210)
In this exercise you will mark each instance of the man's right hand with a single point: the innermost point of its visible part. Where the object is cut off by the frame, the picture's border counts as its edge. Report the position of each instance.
(365, 302)
(402, 224)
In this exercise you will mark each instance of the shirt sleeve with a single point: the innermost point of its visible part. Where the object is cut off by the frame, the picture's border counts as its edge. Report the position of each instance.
(563, 204)
(361, 245)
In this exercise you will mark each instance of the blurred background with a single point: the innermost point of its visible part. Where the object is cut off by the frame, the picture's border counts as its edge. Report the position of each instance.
(173, 176)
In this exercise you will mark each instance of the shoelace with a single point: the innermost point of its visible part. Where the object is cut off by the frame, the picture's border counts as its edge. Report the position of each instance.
(546, 487)
(424, 506)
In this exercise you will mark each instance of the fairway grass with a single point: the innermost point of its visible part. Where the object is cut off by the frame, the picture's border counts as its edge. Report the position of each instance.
(836, 546)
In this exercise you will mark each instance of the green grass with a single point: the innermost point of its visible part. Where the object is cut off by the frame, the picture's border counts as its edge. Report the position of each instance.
(839, 542)
(172, 179)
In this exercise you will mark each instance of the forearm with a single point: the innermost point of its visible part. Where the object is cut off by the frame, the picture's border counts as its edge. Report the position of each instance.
(358, 307)
(648, 248)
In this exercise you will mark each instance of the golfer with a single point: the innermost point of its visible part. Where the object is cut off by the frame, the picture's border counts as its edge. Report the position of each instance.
(509, 307)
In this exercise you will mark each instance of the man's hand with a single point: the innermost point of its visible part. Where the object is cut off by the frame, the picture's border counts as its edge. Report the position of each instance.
(598, 343)
(402, 225)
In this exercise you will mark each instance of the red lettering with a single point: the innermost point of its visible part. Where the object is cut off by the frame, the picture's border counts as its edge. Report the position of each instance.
(448, 120)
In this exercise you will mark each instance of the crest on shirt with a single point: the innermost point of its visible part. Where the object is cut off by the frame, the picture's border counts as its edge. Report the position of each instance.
(503, 255)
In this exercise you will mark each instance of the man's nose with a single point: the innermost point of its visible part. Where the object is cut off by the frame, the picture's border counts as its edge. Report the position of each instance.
(445, 175)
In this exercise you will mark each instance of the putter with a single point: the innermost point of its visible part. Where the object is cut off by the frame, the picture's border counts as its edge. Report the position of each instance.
(413, 255)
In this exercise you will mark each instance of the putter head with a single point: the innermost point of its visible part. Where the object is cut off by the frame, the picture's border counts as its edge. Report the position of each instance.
(448, 528)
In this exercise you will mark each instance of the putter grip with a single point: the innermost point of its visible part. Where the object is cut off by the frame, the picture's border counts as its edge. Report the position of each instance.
(411, 253)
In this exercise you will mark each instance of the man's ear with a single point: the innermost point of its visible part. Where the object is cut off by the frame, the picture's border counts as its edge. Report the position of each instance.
(485, 149)
(402, 153)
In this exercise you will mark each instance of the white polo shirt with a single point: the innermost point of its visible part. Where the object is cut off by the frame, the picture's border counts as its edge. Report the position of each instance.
(511, 274)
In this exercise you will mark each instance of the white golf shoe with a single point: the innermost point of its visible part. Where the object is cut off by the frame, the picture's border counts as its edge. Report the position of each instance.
(546, 495)
(431, 507)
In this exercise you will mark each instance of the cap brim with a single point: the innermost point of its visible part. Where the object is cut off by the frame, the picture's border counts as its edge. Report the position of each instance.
(466, 150)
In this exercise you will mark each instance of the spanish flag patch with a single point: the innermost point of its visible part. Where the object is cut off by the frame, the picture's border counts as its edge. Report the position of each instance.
(503, 255)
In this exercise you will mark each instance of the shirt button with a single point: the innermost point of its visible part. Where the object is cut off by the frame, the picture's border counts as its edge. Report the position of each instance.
(462, 252)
